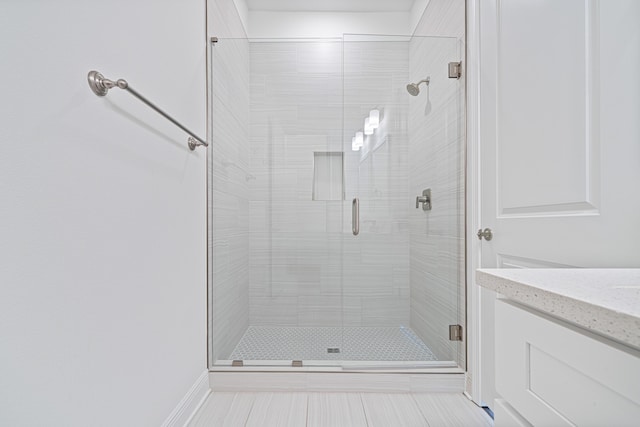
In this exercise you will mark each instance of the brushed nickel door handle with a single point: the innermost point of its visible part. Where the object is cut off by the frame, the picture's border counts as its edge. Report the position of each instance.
(486, 233)
(355, 216)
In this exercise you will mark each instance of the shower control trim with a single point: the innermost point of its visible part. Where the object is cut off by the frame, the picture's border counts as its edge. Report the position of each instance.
(425, 199)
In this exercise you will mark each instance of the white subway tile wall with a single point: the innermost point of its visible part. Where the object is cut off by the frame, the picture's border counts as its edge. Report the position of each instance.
(295, 242)
(306, 267)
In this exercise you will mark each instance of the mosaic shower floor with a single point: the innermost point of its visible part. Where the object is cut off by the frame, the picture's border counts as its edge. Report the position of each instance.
(331, 343)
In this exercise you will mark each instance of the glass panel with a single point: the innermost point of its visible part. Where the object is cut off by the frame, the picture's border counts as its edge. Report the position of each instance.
(228, 196)
(277, 264)
(404, 272)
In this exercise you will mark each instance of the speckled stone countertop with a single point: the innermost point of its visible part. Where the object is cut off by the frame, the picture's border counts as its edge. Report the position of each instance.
(605, 301)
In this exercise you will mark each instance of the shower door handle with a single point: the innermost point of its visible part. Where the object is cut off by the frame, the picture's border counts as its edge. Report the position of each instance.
(355, 216)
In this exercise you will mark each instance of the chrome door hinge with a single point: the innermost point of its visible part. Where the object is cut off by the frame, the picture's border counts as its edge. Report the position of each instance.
(455, 70)
(237, 363)
(455, 333)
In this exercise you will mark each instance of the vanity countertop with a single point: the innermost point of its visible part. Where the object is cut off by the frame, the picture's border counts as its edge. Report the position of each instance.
(605, 301)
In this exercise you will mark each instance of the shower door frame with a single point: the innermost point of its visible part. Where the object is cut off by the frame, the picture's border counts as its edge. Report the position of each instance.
(447, 367)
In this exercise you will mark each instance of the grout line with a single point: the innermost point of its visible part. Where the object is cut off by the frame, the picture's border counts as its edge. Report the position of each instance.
(253, 401)
(419, 408)
(364, 409)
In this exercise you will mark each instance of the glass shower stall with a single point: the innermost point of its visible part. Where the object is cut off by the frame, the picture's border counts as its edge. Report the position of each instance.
(336, 202)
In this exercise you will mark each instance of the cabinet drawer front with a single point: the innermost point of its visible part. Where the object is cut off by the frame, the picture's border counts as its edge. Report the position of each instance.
(554, 375)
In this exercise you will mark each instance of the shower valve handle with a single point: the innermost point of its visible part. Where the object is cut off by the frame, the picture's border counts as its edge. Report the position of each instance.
(425, 199)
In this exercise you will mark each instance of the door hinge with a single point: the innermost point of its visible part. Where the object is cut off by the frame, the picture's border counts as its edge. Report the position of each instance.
(237, 363)
(455, 70)
(455, 333)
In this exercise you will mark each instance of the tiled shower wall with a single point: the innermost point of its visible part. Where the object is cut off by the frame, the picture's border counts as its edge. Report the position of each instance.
(295, 242)
(306, 267)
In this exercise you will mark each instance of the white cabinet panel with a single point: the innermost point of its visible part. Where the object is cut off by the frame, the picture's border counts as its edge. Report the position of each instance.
(553, 375)
(506, 416)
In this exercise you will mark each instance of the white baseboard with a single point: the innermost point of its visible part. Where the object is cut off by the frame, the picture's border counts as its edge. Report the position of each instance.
(335, 382)
(190, 403)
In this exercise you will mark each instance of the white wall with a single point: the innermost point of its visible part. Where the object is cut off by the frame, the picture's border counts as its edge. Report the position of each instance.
(441, 18)
(267, 24)
(242, 8)
(417, 14)
(102, 220)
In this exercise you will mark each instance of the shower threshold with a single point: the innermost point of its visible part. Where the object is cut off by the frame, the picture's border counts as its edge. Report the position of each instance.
(334, 348)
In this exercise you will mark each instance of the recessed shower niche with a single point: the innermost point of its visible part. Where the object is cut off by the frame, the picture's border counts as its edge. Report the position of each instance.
(289, 280)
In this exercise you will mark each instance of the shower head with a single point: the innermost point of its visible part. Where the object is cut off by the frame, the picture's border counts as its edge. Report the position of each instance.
(413, 88)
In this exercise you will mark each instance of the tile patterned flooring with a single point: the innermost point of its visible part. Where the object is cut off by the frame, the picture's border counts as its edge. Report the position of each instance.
(339, 410)
(312, 343)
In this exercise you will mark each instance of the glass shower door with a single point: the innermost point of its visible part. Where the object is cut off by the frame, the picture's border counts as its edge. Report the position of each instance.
(277, 190)
(403, 273)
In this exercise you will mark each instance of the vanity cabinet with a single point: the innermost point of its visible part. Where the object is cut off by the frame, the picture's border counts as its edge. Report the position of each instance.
(552, 373)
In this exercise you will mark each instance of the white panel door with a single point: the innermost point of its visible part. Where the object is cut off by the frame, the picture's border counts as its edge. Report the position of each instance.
(560, 138)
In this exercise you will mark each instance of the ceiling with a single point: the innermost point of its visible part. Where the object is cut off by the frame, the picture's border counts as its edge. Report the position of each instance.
(332, 5)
